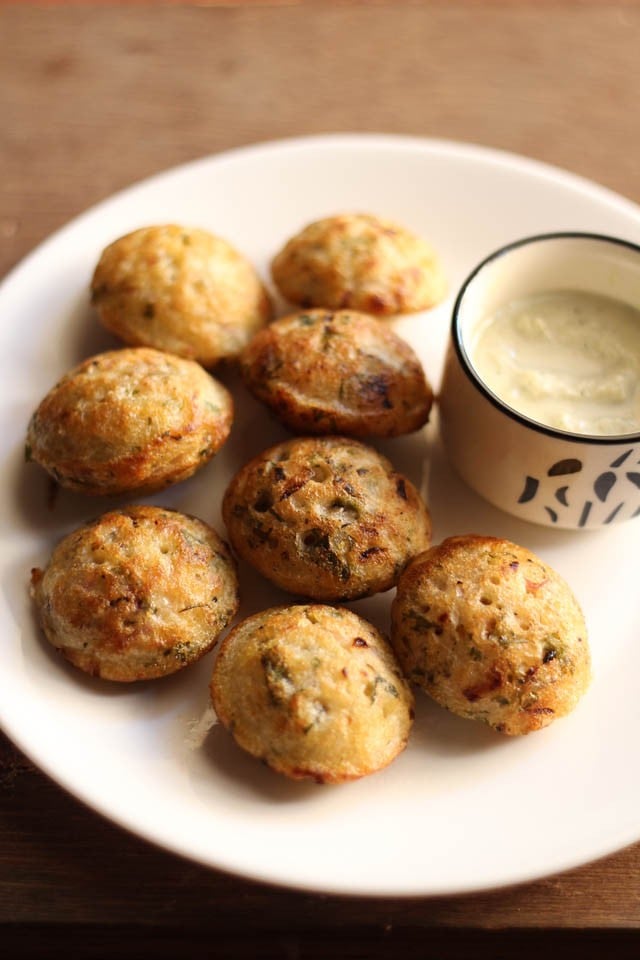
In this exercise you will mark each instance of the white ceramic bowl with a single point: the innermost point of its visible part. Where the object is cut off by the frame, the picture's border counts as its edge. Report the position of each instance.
(538, 473)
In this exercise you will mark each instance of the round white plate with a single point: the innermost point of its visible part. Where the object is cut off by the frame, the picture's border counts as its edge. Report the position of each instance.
(462, 809)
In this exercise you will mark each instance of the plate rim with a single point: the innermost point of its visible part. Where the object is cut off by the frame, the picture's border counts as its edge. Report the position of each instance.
(340, 140)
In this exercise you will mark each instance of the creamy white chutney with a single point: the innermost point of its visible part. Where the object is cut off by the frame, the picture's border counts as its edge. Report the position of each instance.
(564, 358)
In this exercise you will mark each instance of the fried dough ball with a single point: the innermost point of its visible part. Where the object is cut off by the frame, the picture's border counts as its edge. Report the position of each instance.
(337, 372)
(136, 594)
(326, 518)
(314, 691)
(359, 262)
(134, 419)
(492, 633)
(179, 289)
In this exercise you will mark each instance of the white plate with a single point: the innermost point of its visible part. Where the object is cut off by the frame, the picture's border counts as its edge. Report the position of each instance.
(462, 809)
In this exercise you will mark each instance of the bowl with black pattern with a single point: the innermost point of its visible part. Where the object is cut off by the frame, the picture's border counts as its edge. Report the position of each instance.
(537, 472)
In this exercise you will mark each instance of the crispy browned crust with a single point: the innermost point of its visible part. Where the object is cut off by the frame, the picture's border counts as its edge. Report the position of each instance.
(136, 594)
(129, 420)
(327, 518)
(492, 633)
(359, 262)
(339, 372)
(179, 289)
(314, 691)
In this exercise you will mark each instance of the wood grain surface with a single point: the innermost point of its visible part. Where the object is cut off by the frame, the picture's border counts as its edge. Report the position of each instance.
(95, 97)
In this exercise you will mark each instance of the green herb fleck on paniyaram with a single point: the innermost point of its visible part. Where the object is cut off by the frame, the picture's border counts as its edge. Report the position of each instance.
(181, 651)
(274, 668)
(277, 677)
(554, 648)
(422, 676)
(191, 540)
(318, 546)
(380, 683)
(507, 638)
(418, 621)
(316, 712)
(261, 534)
(328, 333)
(350, 509)
(28, 453)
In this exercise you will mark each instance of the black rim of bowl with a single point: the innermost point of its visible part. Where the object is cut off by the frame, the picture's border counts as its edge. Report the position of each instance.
(467, 366)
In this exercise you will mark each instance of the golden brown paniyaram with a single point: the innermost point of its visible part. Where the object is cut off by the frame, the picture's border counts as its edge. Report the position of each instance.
(180, 289)
(136, 594)
(341, 372)
(327, 518)
(358, 261)
(129, 420)
(492, 633)
(314, 691)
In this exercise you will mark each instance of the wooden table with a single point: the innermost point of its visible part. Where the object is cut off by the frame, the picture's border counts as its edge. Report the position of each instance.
(94, 97)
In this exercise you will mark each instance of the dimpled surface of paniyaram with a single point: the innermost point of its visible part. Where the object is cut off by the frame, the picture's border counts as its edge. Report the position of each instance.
(136, 594)
(129, 420)
(327, 518)
(358, 261)
(492, 633)
(179, 289)
(314, 691)
(340, 372)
